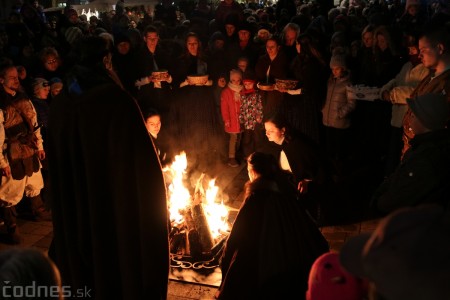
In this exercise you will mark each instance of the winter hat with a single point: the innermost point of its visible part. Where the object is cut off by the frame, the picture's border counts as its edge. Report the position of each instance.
(264, 32)
(107, 36)
(39, 83)
(218, 35)
(249, 76)
(121, 37)
(246, 26)
(235, 72)
(412, 2)
(432, 110)
(407, 256)
(55, 83)
(232, 19)
(73, 34)
(329, 281)
(338, 60)
(99, 30)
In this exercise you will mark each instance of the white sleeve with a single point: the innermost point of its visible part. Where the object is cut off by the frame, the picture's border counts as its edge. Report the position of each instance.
(3, 161)
(37, 133)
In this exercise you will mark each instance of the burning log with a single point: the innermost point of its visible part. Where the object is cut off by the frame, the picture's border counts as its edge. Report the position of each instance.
(200, 221)
(178, 242)
(199, 240)
(191, 235)
(193, 243)
(202, 227)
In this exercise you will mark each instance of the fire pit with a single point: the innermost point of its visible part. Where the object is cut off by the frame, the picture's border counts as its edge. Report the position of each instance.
(198, 221)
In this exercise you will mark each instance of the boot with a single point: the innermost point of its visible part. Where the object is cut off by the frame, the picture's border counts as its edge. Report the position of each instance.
(8, 214)
(38, 210)
(13, 234)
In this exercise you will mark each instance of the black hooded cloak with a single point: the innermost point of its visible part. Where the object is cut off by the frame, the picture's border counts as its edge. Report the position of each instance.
(109, 198)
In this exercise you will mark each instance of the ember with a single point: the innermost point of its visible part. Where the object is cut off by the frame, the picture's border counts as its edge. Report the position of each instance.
(199, 222)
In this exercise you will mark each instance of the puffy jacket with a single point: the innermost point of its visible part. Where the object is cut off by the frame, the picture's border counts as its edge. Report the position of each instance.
(338, 106)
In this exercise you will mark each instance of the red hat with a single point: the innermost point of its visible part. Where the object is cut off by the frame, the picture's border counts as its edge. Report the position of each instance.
(329, 281)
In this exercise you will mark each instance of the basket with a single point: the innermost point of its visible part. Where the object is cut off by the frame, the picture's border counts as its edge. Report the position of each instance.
(361, 92)
(198, 79)
(285, 84)
(266, 86)
(160, 75)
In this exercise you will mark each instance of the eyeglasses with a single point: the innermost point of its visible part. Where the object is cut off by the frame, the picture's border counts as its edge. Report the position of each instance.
(52, 61)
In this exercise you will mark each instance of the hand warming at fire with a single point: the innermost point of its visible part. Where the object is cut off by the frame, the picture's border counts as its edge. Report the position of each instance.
(303, 186)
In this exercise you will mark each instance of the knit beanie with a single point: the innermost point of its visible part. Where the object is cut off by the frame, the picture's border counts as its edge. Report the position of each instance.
(218, 35)
(432, 110)
(55, 84)
(107, 36)
(329, 281)
(249, 76)
(39, 83)
(264, 32)
(120, 38)
(232, 19)
(247, 26)
(72, 34)
(236, 72)
(338, 60)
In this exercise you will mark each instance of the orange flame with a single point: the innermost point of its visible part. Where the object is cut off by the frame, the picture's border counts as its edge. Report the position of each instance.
(180, 197)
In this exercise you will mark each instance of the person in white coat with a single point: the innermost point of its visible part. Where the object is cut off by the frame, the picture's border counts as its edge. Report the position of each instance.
(397, 91)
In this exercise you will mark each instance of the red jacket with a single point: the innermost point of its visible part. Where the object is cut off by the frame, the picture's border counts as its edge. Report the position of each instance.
(230, 106)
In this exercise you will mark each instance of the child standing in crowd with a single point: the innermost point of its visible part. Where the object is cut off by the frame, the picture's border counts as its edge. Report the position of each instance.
(337, 109)
(230, 106)
(56, 87)
(251, 117)
(219, 86)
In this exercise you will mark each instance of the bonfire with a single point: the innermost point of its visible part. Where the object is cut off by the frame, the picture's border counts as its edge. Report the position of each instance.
(198, 220)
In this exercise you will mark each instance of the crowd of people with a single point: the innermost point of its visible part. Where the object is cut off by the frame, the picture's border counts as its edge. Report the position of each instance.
(91, 110)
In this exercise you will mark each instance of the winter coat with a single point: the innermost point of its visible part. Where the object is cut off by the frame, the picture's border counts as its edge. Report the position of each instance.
(251, 110)
(422, 176)
(230, 106)
(429, 85)
(401, 87)
(338, 106)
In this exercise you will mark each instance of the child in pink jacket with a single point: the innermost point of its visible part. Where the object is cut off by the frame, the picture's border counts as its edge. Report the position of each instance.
(230, 107)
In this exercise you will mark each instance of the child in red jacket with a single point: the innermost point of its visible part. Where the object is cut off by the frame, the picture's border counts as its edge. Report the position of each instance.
(230, 106)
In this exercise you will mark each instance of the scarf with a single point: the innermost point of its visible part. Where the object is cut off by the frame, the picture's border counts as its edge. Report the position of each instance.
(246, 92)
(235, 88)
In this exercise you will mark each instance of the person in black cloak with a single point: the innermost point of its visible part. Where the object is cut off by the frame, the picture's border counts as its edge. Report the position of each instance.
(193, 113)
(273, 242)
(306, 166)
(109, 198)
